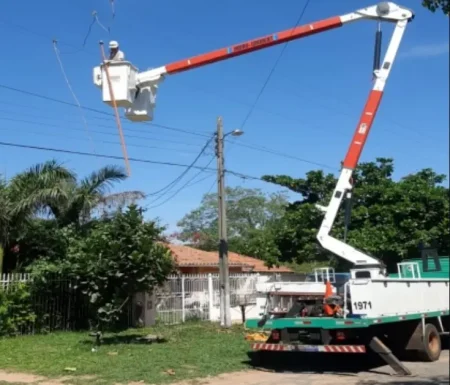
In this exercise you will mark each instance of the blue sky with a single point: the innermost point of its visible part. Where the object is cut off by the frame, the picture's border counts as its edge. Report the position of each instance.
(309, 108)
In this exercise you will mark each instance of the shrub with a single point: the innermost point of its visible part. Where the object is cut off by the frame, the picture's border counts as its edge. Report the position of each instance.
(16, 312)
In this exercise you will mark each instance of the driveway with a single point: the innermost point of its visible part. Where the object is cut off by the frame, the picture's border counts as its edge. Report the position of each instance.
(345, 370)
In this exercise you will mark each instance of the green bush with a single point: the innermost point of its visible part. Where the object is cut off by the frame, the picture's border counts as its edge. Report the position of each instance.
(16, 312)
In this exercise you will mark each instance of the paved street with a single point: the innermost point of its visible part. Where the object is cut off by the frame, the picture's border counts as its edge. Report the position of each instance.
(436, 373)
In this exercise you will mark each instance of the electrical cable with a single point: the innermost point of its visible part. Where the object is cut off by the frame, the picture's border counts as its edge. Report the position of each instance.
(48, 98)
(44, 134)
(61, 66)
(188, 183)
(153, 124)
(48, 125)
(32, 32)
(113, 8)
(199, 180)
(269, 151)
(266, 82)
(113, 12)
(97, 20)
(86, 37)
(179, 177)
(104, 156)
(249, 146)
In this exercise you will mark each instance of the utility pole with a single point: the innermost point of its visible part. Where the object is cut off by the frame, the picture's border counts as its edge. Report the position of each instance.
(224, 277)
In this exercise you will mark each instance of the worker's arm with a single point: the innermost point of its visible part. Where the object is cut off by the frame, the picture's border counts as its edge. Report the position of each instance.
(120, 56)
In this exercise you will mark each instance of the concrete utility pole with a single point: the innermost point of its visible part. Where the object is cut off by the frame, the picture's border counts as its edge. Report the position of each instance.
(224, 276)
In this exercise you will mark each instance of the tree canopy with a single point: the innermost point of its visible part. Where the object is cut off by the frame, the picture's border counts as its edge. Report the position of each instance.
(437, 5)
(389, 218)
(250, 213)
(47, 196)
(110, 261)
(58, 226)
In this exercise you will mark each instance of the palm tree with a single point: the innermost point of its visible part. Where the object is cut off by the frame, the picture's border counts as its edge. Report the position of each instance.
(38, 189)
(53, 190)
(91, 194)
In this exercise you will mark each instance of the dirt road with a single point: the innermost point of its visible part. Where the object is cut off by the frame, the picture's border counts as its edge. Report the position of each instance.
(436, 373)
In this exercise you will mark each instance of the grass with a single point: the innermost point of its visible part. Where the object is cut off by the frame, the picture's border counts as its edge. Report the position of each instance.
(191, 350)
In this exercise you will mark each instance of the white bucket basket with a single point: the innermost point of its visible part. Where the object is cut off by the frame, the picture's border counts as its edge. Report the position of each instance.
(122, 75)
(142, 108)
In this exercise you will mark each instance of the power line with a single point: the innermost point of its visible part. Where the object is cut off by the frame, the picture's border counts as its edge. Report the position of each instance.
(104, 156)
(187, 184)
(26, 29)
(44, 134)
(48, 98)
(94, 125)
(86, 37)
(154, 124)
(17, 26)
(188, 168)
(269, 151)
(93, 131)
(339, 111)
(249, 146)
(277, 61)
(66, 78)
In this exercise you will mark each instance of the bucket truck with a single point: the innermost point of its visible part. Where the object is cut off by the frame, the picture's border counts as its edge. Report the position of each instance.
(407, 311)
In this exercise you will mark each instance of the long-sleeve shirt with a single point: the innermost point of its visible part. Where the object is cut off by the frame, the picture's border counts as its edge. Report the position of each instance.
(119, 56)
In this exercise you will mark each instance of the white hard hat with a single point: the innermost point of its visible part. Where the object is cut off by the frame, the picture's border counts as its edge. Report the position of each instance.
(113, 44)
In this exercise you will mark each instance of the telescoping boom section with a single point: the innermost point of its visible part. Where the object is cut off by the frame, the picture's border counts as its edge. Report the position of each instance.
(136, 92)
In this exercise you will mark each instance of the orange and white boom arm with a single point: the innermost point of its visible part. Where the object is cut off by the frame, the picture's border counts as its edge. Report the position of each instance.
(341, 249)
(385, 11)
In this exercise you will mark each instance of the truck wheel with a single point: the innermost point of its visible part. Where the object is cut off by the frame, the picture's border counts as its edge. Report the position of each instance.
(431, 344)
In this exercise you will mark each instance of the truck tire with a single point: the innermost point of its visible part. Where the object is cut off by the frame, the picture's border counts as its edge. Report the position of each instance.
(431, 344)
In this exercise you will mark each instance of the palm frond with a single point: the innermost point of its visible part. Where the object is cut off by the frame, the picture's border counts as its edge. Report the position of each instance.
(102, 180)
(119, 200)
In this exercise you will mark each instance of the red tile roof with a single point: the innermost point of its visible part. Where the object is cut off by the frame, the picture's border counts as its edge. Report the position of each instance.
(188, 256)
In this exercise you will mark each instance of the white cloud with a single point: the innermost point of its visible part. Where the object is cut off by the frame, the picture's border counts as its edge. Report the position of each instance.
(426, 50)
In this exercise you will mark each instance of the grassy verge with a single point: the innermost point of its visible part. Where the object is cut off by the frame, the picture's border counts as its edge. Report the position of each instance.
(191, 351)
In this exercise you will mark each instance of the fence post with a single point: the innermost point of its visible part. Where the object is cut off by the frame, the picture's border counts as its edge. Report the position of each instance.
(183, 295)
(210, 296)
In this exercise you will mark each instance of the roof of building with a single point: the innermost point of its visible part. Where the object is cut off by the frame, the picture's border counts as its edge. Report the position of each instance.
(186, 256)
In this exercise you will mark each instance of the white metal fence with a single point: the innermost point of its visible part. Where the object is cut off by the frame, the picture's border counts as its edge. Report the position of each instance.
(6, 280)
(188, 297)
(180, 299)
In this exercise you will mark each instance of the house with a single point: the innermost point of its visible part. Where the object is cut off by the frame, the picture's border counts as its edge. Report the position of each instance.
(193, 261)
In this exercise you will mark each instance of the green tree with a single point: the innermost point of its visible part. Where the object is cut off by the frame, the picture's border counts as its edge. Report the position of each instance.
(435, 5)
(389, 218)
(250, 214)
(50, 188)
(111, 260)
(48, 195)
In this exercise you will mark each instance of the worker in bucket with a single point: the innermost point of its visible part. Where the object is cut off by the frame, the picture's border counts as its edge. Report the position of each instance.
(114, 53)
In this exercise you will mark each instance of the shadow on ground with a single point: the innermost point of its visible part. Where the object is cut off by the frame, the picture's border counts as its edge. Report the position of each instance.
(289, 362)
(126, 339)
(340, 364)
(440, 380)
